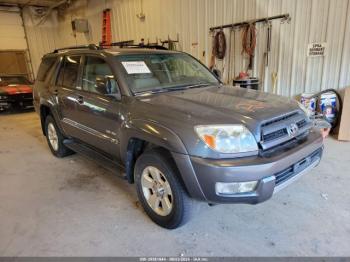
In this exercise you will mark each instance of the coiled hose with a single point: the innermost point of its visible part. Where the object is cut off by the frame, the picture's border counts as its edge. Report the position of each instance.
(249, 42)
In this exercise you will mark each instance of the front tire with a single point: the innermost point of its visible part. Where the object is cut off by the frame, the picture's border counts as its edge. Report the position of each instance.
(160, 191)
(55, 138)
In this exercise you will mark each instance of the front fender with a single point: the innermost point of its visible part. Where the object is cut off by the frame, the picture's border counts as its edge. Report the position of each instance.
(160, 135)
(152, 132)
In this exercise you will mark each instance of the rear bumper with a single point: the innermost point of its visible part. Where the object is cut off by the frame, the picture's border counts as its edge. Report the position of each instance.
(272, 172)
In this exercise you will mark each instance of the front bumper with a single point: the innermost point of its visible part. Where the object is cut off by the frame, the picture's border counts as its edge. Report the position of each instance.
(273, 172)
(17, 100)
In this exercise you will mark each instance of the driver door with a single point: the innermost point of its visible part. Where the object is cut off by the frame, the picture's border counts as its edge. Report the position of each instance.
(98, 108)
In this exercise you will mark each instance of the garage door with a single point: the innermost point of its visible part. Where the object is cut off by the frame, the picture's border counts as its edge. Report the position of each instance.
(12, 35)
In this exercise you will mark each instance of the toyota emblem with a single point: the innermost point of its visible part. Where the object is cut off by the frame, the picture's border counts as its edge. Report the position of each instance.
(292, 130)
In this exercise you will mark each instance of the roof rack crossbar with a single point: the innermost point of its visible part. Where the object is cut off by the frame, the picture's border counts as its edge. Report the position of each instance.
(90, 46)
(129, 44)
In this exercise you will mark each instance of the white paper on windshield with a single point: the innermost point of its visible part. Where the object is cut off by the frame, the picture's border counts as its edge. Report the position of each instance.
(136, 67)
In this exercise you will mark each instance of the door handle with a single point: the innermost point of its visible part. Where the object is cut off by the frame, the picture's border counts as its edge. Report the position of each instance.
(80, 99)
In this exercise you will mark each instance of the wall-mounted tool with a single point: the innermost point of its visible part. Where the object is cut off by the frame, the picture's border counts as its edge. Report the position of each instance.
(274, 82)
(218, 49)
(249, 38)
(249, 43)
(267, 53)
(219, 46)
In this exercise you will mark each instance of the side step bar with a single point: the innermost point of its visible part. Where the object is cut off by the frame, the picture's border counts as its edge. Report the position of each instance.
(99, 158)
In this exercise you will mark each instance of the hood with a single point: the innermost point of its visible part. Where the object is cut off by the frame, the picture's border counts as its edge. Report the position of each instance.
(15, 89)
(222, 105)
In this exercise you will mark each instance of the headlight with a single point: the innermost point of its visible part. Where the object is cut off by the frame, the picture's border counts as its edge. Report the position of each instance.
(227, 138)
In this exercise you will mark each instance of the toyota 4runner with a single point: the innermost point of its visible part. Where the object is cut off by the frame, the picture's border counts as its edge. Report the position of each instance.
(177, 130)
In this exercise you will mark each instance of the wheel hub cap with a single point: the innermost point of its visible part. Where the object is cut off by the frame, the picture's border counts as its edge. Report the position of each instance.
(52, 136)
(156, 190)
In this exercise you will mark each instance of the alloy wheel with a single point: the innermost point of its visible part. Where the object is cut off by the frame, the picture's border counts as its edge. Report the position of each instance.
(157, 191)
(52, 135)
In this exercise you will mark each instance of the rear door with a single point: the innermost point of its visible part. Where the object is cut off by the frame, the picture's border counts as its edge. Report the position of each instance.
(65, 88)
(97, 109)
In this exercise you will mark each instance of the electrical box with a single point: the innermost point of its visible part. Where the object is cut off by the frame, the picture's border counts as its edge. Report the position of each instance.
(80, 25)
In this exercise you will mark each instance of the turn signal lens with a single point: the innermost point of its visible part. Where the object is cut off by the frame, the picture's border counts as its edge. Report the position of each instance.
(209, 140)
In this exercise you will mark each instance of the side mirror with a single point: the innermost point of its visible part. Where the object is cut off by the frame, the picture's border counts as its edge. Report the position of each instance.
(217, 73)
(107, 85)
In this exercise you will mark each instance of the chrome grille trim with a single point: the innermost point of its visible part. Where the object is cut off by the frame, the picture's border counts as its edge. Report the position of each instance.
(274, 132)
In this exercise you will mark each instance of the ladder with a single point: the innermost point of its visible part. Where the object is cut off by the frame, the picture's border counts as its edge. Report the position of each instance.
(106, 27)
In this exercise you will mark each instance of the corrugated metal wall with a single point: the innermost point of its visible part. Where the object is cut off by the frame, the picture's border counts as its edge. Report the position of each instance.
(42, 38)
(312, 21)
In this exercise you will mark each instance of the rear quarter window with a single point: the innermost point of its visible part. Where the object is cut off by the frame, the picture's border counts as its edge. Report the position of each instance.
(45, 66)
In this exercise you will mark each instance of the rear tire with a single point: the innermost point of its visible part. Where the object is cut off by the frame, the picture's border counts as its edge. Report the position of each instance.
(55, 138)
(160, 191)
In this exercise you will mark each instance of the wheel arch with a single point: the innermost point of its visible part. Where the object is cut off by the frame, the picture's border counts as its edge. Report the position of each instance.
(142, 135)
(46, 109)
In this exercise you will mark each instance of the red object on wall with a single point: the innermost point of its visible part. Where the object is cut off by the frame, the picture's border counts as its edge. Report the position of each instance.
(106, 27)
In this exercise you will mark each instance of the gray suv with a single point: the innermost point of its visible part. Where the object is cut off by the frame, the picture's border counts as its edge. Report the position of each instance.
(177, 130)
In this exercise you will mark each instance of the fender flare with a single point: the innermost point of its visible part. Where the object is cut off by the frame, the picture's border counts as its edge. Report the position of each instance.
(51, 105)
(152, 132)
(160, 135)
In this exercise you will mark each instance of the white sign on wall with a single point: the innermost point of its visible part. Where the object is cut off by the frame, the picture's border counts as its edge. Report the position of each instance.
(316, 49)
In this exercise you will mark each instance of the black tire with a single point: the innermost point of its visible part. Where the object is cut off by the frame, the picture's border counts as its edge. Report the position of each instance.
(61, 150)
(182, 204)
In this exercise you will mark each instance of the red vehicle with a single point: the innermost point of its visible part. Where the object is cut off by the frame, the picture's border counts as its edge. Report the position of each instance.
(15, 92)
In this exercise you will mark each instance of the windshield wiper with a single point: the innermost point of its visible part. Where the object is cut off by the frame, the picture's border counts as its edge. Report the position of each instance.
(172, 88)
(198, 85)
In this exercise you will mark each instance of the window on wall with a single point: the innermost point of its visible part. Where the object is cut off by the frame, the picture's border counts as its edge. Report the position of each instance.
(98, 77)
(68, 74)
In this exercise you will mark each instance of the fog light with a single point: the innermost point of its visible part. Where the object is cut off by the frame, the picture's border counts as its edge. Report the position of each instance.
(234, 188)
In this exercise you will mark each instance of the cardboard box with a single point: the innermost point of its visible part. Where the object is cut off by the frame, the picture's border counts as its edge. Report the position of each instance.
(344, 125)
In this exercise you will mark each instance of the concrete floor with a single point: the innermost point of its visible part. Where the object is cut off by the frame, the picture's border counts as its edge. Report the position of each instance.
(73, 207)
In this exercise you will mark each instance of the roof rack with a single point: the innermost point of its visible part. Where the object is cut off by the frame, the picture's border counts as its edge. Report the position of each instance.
(90, 46)
(158, 47)
(123, 44)
(130, 44)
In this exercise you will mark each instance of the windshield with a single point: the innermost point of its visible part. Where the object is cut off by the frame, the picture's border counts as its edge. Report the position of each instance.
(13, 80)
(164, 72)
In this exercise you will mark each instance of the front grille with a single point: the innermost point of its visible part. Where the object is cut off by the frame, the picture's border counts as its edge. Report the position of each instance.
(22, 96)
(275, 135)
(274, 132)
(295, 169)
(302, 123)
(278, 119)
